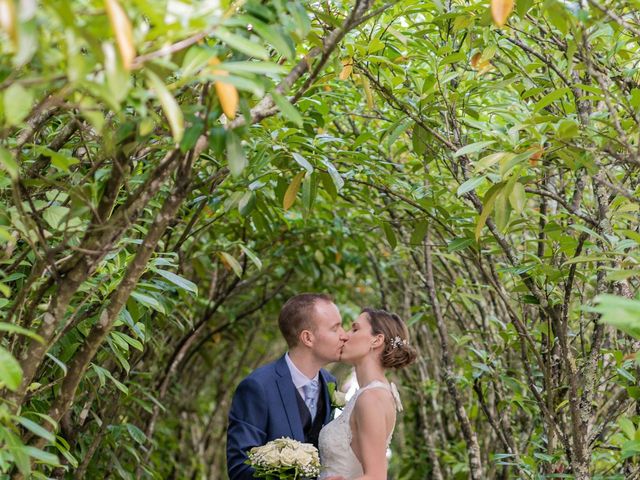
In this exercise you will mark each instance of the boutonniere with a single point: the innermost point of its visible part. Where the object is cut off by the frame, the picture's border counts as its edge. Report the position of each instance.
(338, 399)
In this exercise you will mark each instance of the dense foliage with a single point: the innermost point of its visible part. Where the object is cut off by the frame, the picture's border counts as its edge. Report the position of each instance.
(173, 170)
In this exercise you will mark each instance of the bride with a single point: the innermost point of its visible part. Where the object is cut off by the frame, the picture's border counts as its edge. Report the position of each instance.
(354, 445)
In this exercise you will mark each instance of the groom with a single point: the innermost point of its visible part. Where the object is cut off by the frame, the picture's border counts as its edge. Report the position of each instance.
(289, 397)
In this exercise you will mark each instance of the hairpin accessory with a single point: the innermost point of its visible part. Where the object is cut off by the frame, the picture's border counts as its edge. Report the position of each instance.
(398, 342)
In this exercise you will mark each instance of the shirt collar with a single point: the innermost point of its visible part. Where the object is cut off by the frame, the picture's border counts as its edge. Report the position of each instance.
(299, 378)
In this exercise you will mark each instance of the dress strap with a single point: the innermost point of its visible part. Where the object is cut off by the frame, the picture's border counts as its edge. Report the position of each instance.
(396, 397)
(391, 388)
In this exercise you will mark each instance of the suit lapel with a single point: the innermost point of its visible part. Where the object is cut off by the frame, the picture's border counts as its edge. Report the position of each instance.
(288, 396)
(327, 401)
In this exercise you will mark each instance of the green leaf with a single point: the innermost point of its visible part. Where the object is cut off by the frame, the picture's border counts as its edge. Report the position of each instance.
(391, 236)
(453, 58)
(264, 68)
(16, 448)
(103, 372)
(502, 210)
(469, 185)
(394, 132)
(137, 434)
(169, 105)
(303, 162)
(489, 202)
(252, 256)
(119, 341)
(55, 216)
(194, 60)
(232, 263)
(334, 174)
(550, 98)
(11, 328)
(419, 231)
(179, 281)
(42, 456)
(148, 301)
(473, 148)
(509, 162)
(585, 259)
(10, 370)
(582, 228)
(36, 429)
(5, 236)
(626, 374)
(329, 185)
(419, 140)
(289, 111)
(241, 44)
(309, 192)
(123, 337)
(616, 275)
(518, 198)
(630, 449)
(623, 313)
(247, 203)
(235, 155)
(492, 159)
(635, 98)
(17, 103)
(273, 35)
(523, 6)
(63, 448)
(8, 163)
(60, 160)
(567, 129)
(58, 362)
(459, 244)
(627, 427)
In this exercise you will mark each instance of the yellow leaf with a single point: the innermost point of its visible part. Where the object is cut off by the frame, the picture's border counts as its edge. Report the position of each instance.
(487, 208)
(500, 11)
(475, 60)
(481, 64)
(292, 191)
(8, 19)
(367, 91)
(533, 160)
(227, 93)
(228, 96)
(347, 68)
(124, 32)
(170, 107)
(230, 263)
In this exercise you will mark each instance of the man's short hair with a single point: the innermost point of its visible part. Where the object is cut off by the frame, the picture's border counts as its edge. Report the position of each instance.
(297, 315)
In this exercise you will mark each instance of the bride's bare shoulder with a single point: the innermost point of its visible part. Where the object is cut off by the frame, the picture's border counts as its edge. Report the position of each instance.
(373, 400)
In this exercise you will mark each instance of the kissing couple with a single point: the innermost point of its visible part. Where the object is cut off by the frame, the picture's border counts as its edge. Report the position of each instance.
(290, 397)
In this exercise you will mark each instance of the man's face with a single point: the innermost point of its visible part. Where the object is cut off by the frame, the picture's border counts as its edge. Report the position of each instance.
(328, 334)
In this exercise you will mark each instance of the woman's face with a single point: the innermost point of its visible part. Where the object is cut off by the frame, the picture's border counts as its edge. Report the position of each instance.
(359, 340)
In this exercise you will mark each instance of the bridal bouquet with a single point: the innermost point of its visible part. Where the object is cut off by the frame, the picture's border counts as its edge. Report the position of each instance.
(285, 459)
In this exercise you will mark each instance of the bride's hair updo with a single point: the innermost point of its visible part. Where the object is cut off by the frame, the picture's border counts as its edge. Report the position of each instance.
(397, 352)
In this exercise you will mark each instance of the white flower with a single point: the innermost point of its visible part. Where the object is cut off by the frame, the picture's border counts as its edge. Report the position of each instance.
(339, 399)
(271, 457)
(286, 457)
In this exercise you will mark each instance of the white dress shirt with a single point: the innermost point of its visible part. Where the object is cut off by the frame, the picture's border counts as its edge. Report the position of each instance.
(299, 378)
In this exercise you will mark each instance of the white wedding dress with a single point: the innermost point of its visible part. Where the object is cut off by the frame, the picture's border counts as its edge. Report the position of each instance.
(336, 455)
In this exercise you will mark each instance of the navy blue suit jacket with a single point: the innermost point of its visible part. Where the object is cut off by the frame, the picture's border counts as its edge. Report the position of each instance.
(264, 408)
